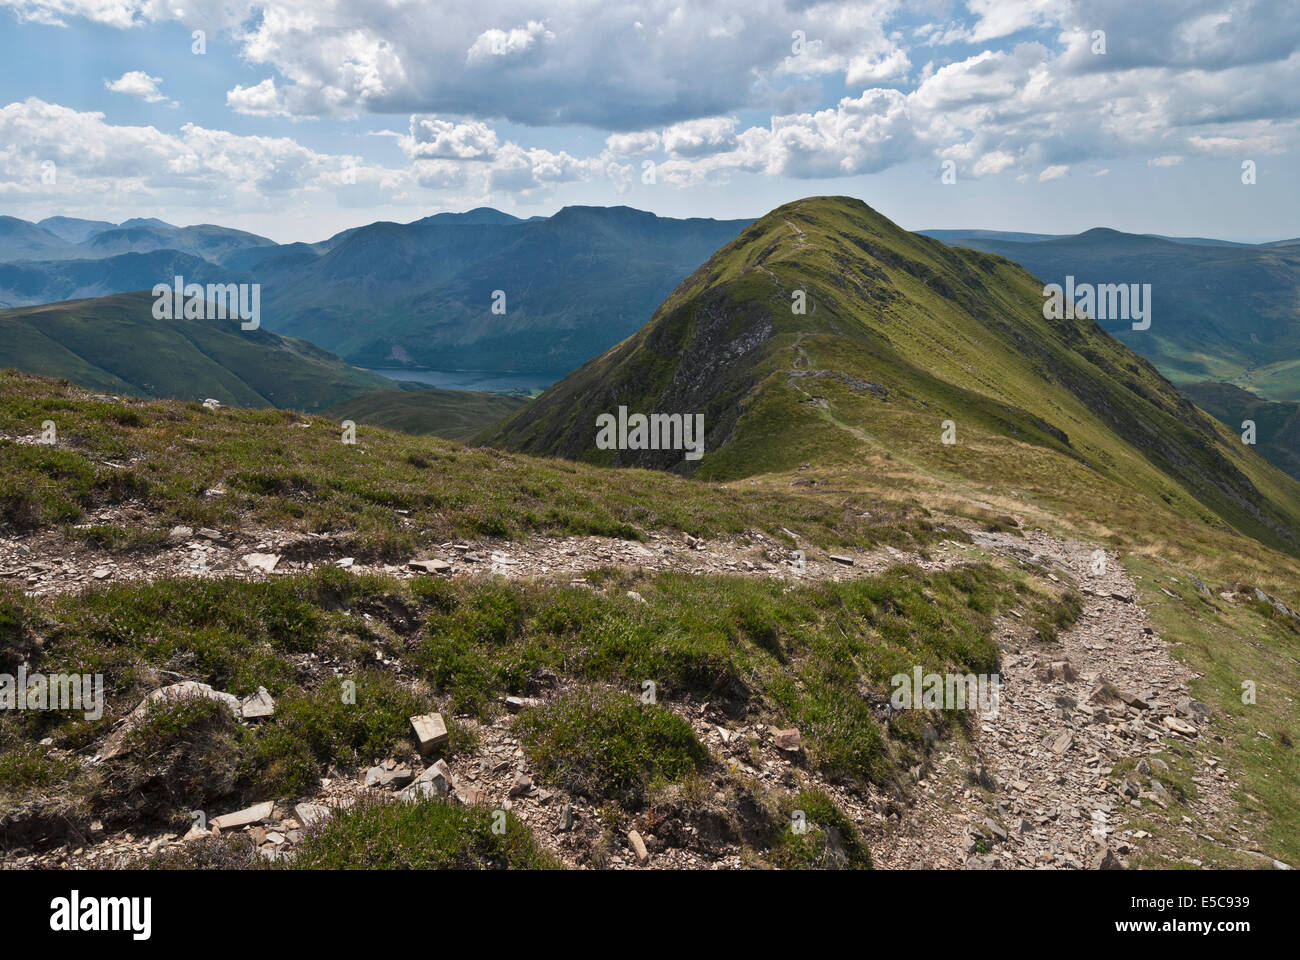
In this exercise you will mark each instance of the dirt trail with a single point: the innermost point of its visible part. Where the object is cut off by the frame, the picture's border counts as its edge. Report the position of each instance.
(52, 563)
(1046, 798)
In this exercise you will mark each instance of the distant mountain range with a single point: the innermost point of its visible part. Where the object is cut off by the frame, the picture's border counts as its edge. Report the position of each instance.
(423, 294)
(66, 238)
(1221, 311)
(902, 339)
(420, 294)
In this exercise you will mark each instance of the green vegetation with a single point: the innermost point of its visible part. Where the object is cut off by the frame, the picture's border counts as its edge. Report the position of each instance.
(606, 745)
(114, 344)
(1277, 425)
(823, 838)
(374, 835)
(1222, 312)
(792, 655)
(423, 835)
(801, 655)
(235, 636)
(833, 420)
(1232, 643)
(453, 414)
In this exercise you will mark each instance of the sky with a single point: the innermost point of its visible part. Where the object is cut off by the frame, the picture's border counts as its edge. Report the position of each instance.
(295, 119)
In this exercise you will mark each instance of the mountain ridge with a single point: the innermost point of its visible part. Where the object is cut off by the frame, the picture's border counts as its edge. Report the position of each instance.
(901, 333)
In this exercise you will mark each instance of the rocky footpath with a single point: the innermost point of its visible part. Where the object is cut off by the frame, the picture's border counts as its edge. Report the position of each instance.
(1035, 787)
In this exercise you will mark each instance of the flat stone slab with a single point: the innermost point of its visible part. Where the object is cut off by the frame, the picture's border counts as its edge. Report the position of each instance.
(429, 566)
(243, 818)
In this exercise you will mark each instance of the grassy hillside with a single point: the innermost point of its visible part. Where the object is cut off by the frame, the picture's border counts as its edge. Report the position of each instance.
(754, 651)
(901, 334)
(773, 652)
(279, 468)
(1277, 425)
(114, 344)
(454, 414)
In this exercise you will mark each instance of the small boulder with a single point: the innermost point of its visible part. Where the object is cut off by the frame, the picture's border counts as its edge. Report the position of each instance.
(430, 732)
(259, 706)
(266, 562)
(786, 740)
(521, 785)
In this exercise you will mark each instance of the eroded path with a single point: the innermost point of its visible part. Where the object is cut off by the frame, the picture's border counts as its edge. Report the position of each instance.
(1033, 788)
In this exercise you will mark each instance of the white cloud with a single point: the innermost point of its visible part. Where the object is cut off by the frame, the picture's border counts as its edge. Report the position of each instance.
(262, 100)
(96, 159)
(512, 43)
(1237, 145)
(517, 170)
(863, 70)
(138, 84)
(993, 163)
(432, 138)
(699, 137)
(632, 144)
(1168, 160)
(656, 74)
(998, 18)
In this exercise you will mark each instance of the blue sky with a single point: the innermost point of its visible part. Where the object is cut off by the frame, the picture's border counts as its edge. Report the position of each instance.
(304, 117)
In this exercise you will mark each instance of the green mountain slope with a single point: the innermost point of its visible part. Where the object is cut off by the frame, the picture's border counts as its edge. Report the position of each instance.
(453, 414)
(1277, 425)
(901, 334)
(114, 344)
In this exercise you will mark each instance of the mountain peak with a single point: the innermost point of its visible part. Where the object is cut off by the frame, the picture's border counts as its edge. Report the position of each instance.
(479, 216)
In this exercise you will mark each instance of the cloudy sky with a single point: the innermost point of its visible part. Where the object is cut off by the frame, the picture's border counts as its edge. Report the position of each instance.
(298, 118)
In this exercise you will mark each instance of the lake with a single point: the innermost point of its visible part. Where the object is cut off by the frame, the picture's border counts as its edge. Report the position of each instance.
(485, 380)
